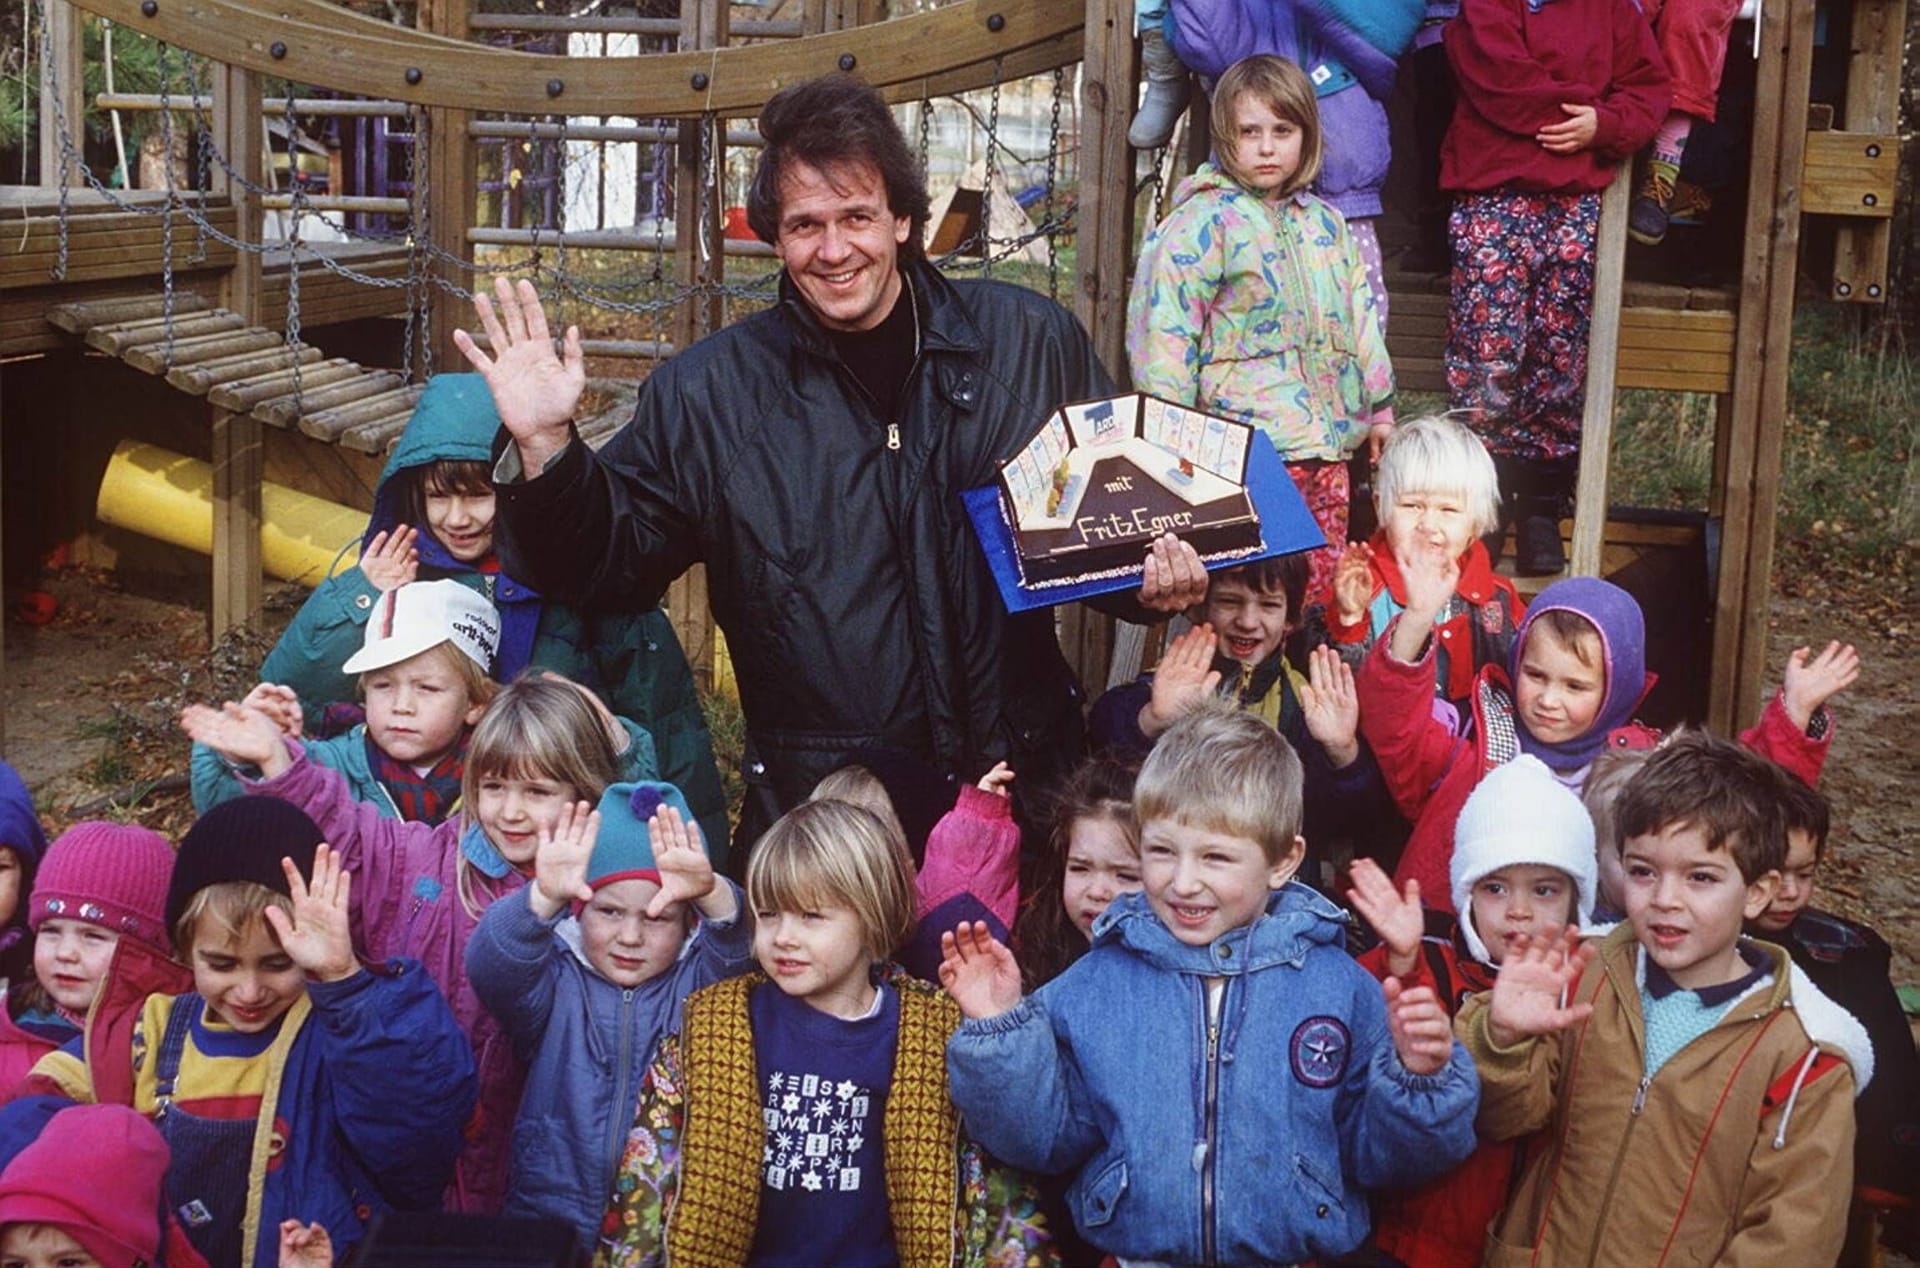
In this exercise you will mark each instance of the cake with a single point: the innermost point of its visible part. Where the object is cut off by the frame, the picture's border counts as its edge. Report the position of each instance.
(1102, 479)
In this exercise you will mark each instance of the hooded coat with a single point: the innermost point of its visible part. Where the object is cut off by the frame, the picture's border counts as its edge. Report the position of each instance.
(20, 831)
(631, 659)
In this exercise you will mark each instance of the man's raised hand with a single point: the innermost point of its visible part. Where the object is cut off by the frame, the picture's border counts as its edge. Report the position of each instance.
(534, 388)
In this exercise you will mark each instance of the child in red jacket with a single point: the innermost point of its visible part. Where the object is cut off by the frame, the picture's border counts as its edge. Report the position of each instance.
(1553, 95)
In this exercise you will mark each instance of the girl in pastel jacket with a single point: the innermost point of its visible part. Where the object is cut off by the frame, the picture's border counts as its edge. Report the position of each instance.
(633, 662)
(419, 890)
(1251, 300)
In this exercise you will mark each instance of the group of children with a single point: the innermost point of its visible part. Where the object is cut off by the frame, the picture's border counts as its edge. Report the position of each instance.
(473, 955)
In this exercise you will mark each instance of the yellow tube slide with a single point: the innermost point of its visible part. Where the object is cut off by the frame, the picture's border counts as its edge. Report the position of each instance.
(168, 496)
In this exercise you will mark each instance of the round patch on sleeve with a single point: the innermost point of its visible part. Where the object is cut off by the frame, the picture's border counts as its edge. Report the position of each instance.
(1319, 1051)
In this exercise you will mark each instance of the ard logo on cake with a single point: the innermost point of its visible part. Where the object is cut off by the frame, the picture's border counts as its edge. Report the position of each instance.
(1074, 512)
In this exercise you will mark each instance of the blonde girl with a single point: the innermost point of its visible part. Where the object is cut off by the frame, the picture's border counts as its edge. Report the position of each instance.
(1252, 301)
(419, 890)
(822, 1132)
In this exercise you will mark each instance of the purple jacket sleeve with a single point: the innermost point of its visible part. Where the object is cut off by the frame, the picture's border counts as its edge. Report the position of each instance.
(974, 850)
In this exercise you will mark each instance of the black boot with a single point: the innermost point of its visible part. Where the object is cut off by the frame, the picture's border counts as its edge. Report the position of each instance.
(1512, 474)
(1537, 547)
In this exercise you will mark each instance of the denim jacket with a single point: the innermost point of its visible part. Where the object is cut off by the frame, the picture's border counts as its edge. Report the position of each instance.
(1243, 1141)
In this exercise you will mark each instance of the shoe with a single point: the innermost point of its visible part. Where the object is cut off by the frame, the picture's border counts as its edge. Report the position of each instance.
(1648, 218)
(1691, 205)
(1168, 89)
(1536, 547)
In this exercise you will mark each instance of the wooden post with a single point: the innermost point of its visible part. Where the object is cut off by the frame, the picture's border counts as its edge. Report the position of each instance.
(1747, 485)
(61, 84)
(1603, 363)
(236, 439)
(1860, 247)
(699, 191)
(449, 200)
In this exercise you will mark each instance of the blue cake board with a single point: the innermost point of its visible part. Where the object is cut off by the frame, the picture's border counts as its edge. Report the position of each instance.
(1286, 527)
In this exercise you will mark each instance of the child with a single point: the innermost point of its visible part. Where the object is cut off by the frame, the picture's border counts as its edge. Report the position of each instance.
(1692, 35)
(1851, 964)
(438, 477)
(419, 890)
(292, 1080)
(801, 1114)
(423, 674)
(1523, 863)
(55, 1212)
(1693, 1090)
(22, 842)
(1607, 778)
(1577, 673)
(1551, 97)
(1152, 1069)
(100, 947)
(1435, 489)
(1251, 301)
(1092, 857)
(1238, 651)
(587, 967)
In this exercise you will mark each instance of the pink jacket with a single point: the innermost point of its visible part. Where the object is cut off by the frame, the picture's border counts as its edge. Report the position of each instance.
(406, 902)
(974, 849)
(20, 1049)
(1430, 768)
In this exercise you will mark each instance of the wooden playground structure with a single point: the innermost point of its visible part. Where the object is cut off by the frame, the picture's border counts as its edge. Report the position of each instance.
(184, 284)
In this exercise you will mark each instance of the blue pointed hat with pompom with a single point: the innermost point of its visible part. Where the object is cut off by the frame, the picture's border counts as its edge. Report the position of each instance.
(624, 849)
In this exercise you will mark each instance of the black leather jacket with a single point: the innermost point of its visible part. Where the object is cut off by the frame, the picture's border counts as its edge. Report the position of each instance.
(856, 602)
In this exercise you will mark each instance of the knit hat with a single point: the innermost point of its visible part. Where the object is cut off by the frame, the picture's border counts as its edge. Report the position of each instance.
(420, 615)
(241, 840)
(57, 1180)
(109, 874)
(1521, 814)
(624, 849)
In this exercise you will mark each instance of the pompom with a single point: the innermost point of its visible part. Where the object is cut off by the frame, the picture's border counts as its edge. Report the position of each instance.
(645, 800)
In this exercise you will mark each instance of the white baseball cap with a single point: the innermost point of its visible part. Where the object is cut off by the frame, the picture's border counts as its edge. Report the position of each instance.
(410, 619)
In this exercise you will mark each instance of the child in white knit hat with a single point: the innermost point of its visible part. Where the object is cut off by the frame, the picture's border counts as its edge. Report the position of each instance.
(1523, 863)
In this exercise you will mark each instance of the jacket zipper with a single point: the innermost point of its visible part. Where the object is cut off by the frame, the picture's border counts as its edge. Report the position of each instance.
(1207, 1250)
(625, 1096)
(1613, 1176)
(893, 436)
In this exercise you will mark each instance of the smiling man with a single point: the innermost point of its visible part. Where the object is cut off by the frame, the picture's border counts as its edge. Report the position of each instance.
(812, 457)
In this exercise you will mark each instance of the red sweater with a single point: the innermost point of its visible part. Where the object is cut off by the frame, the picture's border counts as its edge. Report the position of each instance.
(1515, 68)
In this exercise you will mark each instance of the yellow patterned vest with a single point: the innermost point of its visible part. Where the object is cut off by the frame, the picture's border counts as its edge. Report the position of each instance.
(714, 1214)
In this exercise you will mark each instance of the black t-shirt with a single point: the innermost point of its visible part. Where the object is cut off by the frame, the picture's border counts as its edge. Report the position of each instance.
(881, 358)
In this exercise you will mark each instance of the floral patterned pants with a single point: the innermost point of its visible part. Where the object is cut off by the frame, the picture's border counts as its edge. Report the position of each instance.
(1522, 304)
(1325, 488)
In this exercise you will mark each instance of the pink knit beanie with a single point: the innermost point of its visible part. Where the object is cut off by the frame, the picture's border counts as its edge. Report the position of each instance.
(58, 1180)
(110, 874)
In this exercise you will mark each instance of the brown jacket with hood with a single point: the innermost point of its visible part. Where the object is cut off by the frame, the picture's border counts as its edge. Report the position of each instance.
(1737, 1152)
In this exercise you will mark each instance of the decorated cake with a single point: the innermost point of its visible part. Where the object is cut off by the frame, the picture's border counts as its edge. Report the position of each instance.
(1102, 479)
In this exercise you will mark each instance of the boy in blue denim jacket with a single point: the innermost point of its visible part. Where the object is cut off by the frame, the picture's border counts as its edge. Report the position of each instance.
(1221, 1079)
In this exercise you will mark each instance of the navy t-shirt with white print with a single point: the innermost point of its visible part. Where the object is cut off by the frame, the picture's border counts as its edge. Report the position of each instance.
(823, 1093)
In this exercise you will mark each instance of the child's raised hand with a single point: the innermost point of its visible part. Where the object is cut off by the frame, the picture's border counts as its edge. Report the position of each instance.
(1430, 575)
(1184, 676)
(244, 736)
(316, 937)
(391, 559)
(686, 873)
(1396, 917)
(1532, 981)
(305, 1245)
(1330, 705)
(978, 971)
(996, 780)
(1808, 684)
(1573, 133)
(1422, 1031)
(1353, 583)
(281, 704)
(560, 860)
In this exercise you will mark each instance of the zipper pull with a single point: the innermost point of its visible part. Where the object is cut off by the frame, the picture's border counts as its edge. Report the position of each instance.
(1640, 1096)
(893, 435)
(1213, 1040)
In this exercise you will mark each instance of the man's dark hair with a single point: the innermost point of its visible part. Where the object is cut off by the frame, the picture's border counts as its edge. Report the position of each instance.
(828, 124)
(1736, 799)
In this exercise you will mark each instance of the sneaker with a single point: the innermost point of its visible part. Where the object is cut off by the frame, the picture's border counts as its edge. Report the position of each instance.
(1536, 547)
(1647, 220)
(1691, 205)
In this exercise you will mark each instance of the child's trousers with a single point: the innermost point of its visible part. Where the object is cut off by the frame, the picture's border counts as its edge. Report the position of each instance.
(1522, 305)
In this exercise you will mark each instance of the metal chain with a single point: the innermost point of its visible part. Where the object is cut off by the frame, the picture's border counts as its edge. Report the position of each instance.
(704, 220)
(1053, 174)
(926, 137)
(296, 205)
(986, 195)
(166, 220)
(52, 89)
(416, 119)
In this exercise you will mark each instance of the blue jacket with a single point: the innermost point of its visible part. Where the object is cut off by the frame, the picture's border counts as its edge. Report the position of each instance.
(633, 661)
(214, 781)
(586, 1043)
(1248, 1143)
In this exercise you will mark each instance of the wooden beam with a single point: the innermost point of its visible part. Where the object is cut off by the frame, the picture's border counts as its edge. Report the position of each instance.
(1860, 251)
(237, 586)
(1104, 230)
(447, 203)
(1603, 362)
(699, 191)
(61, 85)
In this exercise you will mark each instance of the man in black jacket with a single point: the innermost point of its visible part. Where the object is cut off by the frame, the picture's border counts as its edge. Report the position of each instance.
(812, 457)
